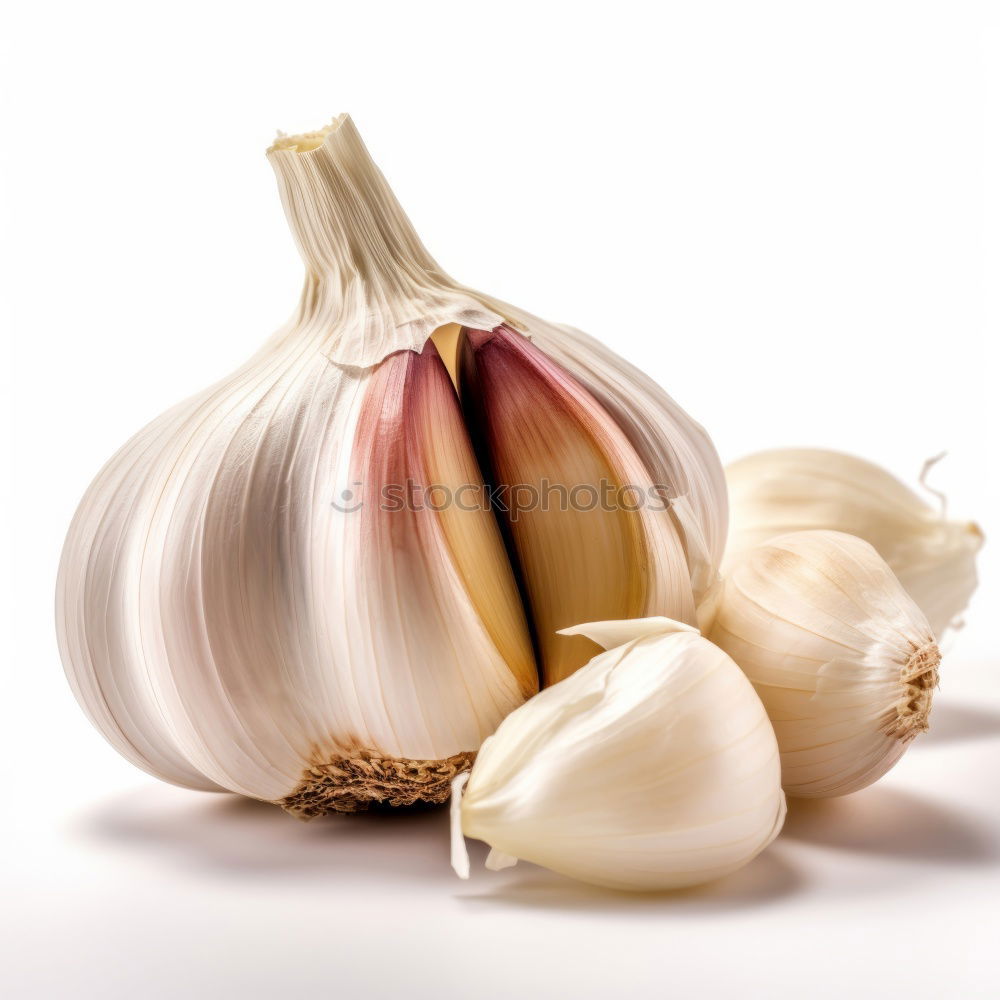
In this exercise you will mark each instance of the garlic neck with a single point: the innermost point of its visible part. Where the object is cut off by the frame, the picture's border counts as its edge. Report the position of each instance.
(369, 279)
(347, 223)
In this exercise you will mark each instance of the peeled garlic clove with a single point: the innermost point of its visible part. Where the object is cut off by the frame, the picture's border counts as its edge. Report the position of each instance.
(796, 489)
(591, 537)
(843, 659)
(652, 767)
(289, 586)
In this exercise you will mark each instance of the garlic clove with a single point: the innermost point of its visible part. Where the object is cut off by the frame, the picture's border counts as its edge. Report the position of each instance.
(570, 479)
(98, 604)
(435, 644)
(652, 767)
(841, 656)
(477, 553)
(798, 489)
(676, 451)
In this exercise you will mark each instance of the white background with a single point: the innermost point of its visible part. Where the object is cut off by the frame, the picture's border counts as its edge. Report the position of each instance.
(786, 213)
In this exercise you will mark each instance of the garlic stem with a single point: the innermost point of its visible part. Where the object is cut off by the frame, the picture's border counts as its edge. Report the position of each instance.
(347, 223)
(369, 279)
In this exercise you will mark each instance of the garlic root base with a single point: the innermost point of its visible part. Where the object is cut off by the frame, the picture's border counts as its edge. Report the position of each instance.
(921, 677)
(352, 784)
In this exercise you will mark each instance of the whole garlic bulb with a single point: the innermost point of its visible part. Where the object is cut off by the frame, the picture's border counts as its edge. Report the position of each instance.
(799, 489)
(266, 591)
(653, 767)
(843, 659)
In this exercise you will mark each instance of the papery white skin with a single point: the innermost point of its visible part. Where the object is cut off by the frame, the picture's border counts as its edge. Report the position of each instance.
(213, 619)
(800, 489)
(652, 767)
(841, 656)
(223, 627)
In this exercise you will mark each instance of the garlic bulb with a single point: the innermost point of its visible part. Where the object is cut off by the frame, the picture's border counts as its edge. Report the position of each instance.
(797, 489)
(653, 767)
(294, 585)
(841, 656)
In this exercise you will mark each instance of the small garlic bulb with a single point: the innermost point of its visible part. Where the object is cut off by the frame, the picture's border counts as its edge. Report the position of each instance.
(798, 489)
(842, 658)
(295, 585)
(653, 767)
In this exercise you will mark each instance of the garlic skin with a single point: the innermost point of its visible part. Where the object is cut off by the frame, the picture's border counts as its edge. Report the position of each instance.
(843, 659)
(799, 489)
(236, 609)
(653, 767)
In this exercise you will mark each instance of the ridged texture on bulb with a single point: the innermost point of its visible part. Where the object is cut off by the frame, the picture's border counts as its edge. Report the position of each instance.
(652, 767)
(224, 625)
(563, 462)
(796, 489)
(843, 659)
(230, 617)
